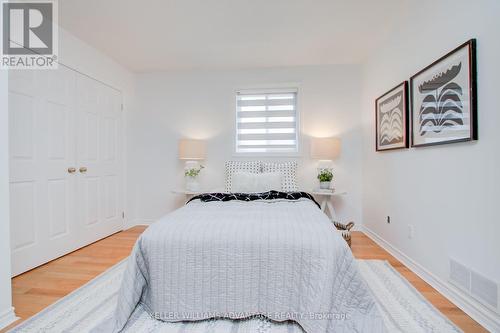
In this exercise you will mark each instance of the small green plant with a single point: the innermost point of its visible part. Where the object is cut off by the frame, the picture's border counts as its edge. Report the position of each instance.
(325, 175)
(193, 172)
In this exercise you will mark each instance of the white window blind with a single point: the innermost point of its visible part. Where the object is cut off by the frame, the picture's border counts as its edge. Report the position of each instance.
(267, 121)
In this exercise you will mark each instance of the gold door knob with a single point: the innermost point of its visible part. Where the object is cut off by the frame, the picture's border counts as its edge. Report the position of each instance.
(83, 169)
(71, 170)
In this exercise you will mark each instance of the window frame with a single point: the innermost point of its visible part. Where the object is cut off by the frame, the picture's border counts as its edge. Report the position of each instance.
(298, 124)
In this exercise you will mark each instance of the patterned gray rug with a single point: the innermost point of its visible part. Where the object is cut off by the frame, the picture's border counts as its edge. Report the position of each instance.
(403, 307)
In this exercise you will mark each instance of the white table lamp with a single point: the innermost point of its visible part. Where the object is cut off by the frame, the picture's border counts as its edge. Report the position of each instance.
(192, 151)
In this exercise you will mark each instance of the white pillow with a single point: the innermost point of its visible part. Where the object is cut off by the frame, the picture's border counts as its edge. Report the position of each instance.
(288, 172)
(246, 182)
(241, 166)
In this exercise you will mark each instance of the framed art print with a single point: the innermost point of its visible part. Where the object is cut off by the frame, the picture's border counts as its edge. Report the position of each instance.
(443, 99)
(391, 118)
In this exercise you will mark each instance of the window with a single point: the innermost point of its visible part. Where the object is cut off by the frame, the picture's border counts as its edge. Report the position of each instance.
(267, 121)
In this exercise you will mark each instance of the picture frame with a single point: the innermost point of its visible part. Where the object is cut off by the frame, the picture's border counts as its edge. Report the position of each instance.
(444, 99)
(391, 119)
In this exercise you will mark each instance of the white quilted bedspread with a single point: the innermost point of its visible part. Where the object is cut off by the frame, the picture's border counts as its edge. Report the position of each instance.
(279, 258)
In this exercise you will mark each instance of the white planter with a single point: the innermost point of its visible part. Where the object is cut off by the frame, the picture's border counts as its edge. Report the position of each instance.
(324, 185)
(192, 183)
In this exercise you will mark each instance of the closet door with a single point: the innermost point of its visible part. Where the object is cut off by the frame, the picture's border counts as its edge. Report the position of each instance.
(65, 164)
(42, 153)
(98, 158)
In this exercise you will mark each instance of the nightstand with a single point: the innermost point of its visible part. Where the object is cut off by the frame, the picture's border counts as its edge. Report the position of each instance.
(188, 194)
(326, 201)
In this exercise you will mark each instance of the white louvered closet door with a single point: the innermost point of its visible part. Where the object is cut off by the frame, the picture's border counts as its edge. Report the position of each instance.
(45, 126)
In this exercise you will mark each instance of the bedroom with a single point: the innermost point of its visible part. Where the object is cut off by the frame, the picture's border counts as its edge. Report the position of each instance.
(109, 139)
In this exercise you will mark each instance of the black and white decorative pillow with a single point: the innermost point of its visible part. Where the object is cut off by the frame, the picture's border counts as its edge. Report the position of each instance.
(240, 166)
(288, 172)
(269, 195)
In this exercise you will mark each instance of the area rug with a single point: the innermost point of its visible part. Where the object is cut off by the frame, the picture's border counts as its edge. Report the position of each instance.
(404, 309)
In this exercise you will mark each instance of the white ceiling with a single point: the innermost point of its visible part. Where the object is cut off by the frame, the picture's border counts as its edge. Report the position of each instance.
(152, 35)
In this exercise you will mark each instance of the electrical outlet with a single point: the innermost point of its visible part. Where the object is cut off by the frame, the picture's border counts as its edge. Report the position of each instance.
(388, 219)
(411, 231)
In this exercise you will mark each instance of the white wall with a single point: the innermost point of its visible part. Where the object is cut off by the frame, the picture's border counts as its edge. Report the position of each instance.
(201, 105)
(78, 55)
(6, 310)
(448, 193)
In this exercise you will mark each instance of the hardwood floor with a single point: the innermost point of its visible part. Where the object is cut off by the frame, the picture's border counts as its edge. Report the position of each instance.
(42, 286)
(38, 288)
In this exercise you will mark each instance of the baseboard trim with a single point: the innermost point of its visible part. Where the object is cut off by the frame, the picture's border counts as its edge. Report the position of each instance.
(7, 317)
(484, 316)
(136, 222)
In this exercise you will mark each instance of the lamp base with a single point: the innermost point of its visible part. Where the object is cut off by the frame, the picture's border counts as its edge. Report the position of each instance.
(325, 164)
(191, 165)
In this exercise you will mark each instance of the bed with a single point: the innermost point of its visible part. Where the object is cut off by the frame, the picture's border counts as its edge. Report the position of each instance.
(235, 256)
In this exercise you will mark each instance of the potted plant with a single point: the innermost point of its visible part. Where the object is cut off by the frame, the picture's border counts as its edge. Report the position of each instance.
(325, 177)
(191, 174)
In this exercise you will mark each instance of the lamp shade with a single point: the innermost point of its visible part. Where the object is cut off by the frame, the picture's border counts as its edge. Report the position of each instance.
(191, 149)
(325, 148)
